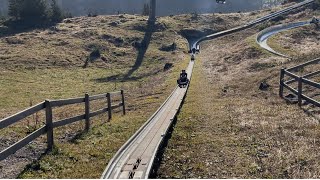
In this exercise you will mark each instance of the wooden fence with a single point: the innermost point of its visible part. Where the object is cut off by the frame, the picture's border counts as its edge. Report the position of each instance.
(50, 125)
(301, 80)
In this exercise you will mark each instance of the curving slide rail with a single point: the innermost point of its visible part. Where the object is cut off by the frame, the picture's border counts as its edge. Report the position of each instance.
(255, 22)
(264, 35)
(135, 158)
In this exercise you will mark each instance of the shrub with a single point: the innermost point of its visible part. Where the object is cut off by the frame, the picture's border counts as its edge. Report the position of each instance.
(171, 47)
(2, 19)
(316, 5)
(95, 54)
(35, 10)
(146, 10)
(56, 14)
(28, 13)
(90, 14)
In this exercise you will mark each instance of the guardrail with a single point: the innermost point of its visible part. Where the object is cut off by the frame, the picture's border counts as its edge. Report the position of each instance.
(48, 105)
(300, 80)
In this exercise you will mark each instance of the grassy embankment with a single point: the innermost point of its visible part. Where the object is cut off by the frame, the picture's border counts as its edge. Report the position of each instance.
(228, 128)
(49, 64)
(53, 57)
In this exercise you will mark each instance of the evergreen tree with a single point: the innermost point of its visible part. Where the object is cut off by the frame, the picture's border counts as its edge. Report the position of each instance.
(56, 13)
(35, 10)
(30, 10)
(146, 10)
(316, 5)
(14, 6)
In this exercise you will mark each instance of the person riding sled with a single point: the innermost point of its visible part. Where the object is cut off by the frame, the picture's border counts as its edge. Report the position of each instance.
(183, 80)
(183, 76)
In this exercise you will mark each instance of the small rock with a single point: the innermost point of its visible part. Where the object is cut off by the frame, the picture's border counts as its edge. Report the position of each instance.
(115, 23)
(171, 47)
(118, 41)
(95, 54)
(225, 90)
(264, 86)
(167, 66)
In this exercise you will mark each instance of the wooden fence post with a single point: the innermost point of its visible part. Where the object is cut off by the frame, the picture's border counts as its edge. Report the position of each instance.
(123, 103)
(87, 111)
(300, 91)
(109, 106)
(49, 124)
(281, 82)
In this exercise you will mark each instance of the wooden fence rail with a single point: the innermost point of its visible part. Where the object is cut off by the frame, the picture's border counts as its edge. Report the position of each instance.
(301, 80)
(50, 125)
(17, 117)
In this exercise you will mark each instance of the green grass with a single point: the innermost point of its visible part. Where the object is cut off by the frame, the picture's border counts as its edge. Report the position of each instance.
(47, 64)
(252, 42)
(275, 45)
(88, 155)
(40, 84)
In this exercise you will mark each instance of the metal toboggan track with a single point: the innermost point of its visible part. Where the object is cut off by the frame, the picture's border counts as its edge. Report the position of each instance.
(135, 158)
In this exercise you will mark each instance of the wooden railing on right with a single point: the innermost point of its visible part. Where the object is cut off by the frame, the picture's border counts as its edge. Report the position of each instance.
(50, 125)
(301, 80)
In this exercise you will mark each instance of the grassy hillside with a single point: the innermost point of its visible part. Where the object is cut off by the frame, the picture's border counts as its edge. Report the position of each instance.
(229, 128)
(55, 63)
(62, 62)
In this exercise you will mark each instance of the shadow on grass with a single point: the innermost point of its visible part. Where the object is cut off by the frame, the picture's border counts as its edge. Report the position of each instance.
(11, 28)
(155, 173)
(141, 53)
(312, 110)
(35, 165)
(124, 78)
(160, 154)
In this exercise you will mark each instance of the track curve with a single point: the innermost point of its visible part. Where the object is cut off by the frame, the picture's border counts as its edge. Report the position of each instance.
(135, 158)
(264, 35)
(254, 22)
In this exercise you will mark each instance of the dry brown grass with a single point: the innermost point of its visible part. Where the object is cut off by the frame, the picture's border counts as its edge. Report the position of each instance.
(47, 64)
(299, 41)
(228, 128)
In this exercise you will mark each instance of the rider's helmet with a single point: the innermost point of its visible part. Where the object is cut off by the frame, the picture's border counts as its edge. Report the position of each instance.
(183, 71)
